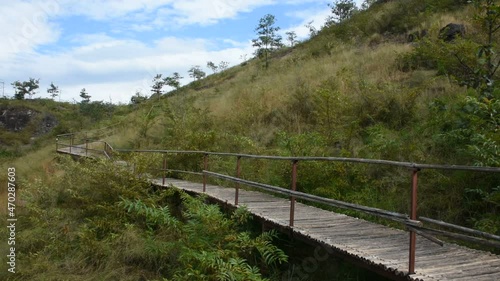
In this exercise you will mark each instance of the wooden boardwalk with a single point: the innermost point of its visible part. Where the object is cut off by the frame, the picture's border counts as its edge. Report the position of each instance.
(378, 247)
(83, 150)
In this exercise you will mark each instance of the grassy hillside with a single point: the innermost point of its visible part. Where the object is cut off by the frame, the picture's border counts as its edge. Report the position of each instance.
(356, 89)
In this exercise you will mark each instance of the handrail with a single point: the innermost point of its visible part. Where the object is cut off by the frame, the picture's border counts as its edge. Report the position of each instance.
(318, 199)
(412, 222)
(410, 165)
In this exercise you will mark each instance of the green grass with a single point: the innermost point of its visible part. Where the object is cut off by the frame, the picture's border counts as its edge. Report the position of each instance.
(346, 92)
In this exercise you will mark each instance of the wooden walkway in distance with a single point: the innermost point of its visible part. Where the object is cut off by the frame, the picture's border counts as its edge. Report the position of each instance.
(377, 247)
(81, 151)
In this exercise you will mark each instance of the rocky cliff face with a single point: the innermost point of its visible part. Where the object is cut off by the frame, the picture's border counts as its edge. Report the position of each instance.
(16, 119)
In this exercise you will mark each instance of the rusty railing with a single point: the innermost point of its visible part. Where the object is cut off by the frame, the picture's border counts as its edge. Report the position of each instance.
(413, 223)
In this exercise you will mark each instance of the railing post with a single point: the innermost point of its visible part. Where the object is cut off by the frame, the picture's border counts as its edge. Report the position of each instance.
(294, 188)
(86, 146)
(205, 167)
(70, 143)
(164, 168)
(57, 144)
(238, 173)
(413, 216)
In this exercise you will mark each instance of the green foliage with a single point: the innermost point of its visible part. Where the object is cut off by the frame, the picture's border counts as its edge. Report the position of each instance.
(341, 10)
(268, 40)
(99, 220)
(291, 36)
(138, 98)
(196, 73)
(159, 82)
(97, 110)
(471, 62)
(53, 91)
(85, 96)
(173, 80)
(483, 75)
(25, 88)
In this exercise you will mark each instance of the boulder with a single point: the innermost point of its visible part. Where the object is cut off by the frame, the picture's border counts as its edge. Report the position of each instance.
(452, 31)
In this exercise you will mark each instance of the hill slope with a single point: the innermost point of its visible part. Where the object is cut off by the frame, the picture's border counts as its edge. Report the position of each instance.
(357, 89)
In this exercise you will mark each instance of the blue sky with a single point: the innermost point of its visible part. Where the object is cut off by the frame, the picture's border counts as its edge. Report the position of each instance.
(114, 48)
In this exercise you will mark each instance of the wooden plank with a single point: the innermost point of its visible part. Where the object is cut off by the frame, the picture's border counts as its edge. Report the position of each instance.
(364, 240)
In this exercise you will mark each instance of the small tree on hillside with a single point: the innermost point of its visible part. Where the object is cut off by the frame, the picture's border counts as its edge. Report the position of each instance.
(85, 96)
(53, 90)
(268, 40)
(158, 83)
(291, 36)
(223, 65)
(341, 10)
(196, 73)
(312, 30)
(138, 98)
(173, 80)
(25, 88)
(212, 66)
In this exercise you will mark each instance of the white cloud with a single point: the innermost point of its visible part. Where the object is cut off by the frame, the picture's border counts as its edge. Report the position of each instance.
(114, 67)
(25, 25)
(105, 10)
(118, 68)
(146, 15)
(316, 16)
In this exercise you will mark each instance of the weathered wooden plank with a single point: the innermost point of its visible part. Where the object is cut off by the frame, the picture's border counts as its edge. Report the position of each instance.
(478, 275)
(367, 241)
(459, 269)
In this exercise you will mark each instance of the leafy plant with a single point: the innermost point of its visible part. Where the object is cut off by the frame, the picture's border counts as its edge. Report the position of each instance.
(25, 88)
(268, 40)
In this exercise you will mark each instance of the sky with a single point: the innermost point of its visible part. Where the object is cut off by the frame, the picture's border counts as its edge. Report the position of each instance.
(114, 48)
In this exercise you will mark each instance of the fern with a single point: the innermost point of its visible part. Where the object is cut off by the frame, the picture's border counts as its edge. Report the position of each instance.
(155, 216)
(269, 252)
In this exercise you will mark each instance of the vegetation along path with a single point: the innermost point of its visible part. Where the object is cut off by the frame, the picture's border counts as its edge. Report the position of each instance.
(380, 248)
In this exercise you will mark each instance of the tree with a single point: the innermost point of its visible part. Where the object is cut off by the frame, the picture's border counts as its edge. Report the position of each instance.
(53, 90)
(85, 96)
(158, 83)
(138, 98)
(25, 88)
(488, 16)
(268, 40)
(196, 73)
(173, 81)
(291, 36)
(312, 30)
(223, 65)
(212, 66)
(341, 10)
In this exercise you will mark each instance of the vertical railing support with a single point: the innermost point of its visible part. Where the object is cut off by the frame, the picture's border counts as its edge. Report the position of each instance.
(205, 168)
(57, 144)
(164, 168)
(70, 143)
(238, 174)
(86, 146)
(294, 188)
(413, 216)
